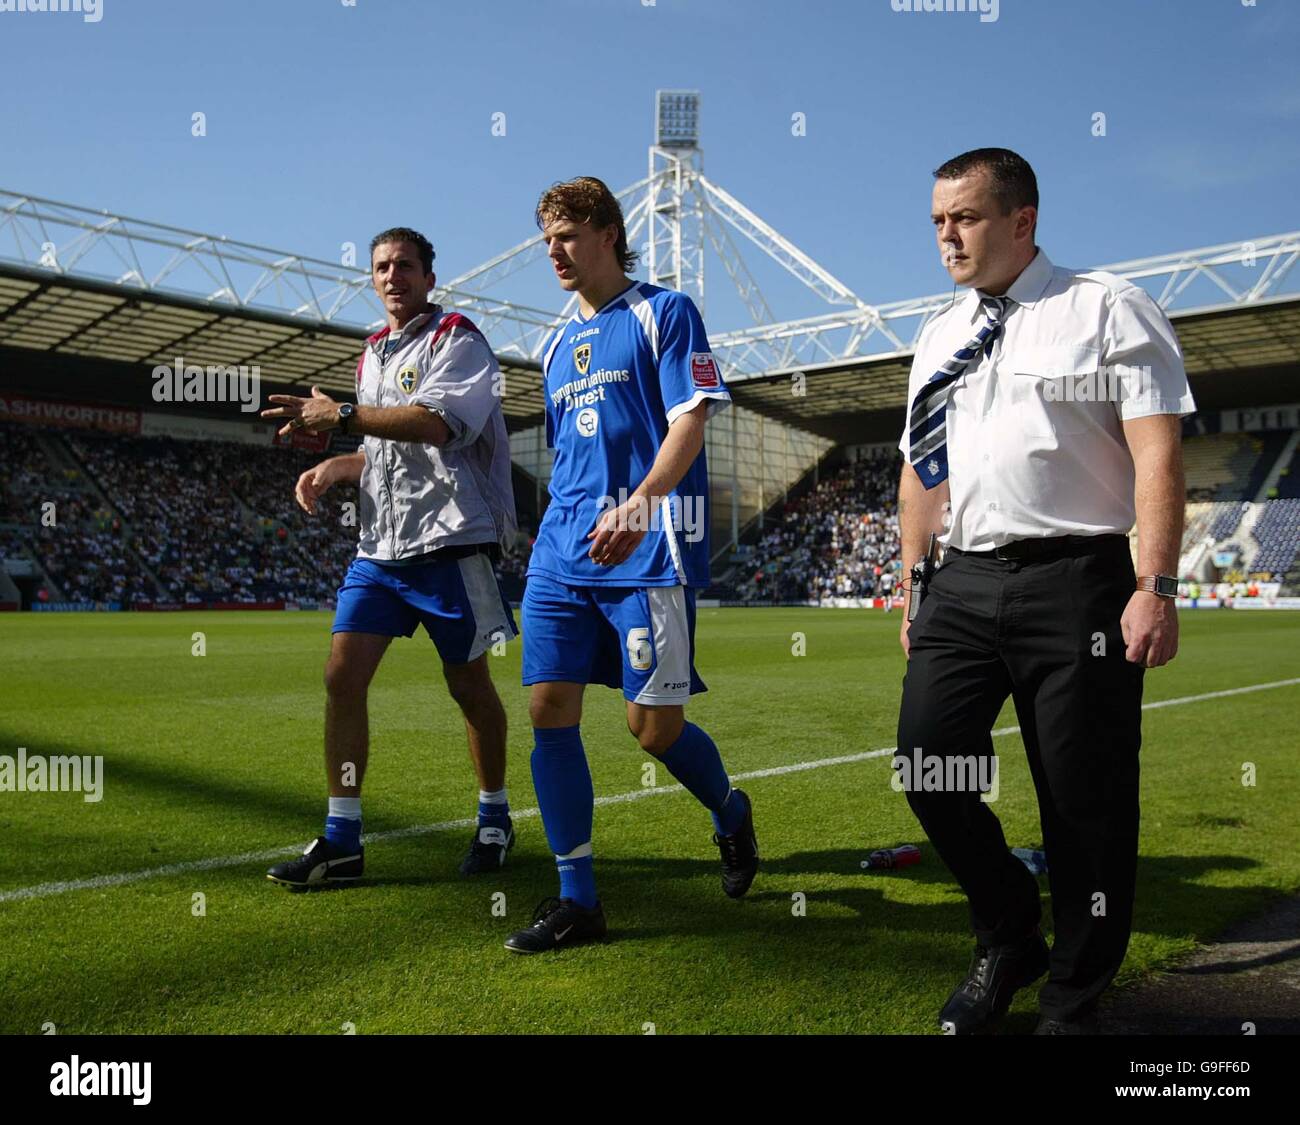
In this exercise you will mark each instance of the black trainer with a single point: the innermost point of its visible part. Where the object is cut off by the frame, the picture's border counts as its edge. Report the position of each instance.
(321, 863)
(488, 848)
(739, 852)
(556, 922)
(995, 975)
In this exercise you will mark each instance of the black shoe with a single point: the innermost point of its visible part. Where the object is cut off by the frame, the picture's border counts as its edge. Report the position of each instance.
(488, 848)
(1085, 1024)
(995, 974)
(739, 852)
(321, 863)
(556, 922)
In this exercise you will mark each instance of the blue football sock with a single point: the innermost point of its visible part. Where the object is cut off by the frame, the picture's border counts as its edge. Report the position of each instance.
(694, 760)
(343, 824)
(566, 799)
(493, 809)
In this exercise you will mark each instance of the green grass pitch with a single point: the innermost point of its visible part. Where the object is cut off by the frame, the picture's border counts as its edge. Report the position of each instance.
(219, 755)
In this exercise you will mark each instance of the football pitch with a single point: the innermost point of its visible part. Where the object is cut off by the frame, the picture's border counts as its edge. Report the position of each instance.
(212, 767)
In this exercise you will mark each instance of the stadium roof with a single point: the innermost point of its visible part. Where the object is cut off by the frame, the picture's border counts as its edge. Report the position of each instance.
(85, 289)
(82, 319)
(81, 287)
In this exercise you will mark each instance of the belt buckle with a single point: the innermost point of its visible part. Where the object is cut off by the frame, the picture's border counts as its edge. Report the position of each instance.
(999, 553)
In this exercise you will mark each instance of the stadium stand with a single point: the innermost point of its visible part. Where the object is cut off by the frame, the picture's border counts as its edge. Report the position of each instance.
(141, 521)
(1229, 466)
(1288, 484)
(1277, 533)
(1202, 515)
(144, 520)
(834, 542)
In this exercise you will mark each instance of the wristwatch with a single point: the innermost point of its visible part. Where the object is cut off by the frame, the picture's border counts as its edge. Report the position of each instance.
(1162, 585)
(346, 413)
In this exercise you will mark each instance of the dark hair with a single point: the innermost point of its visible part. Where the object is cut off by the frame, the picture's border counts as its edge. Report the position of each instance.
(587, 200)
(1014, 182)
(406, 234)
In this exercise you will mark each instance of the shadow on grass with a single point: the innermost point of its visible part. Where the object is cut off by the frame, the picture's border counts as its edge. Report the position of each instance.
(651, 902)
(124, 777)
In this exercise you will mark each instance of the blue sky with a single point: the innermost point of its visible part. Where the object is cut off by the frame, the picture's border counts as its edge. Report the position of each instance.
(327, 122)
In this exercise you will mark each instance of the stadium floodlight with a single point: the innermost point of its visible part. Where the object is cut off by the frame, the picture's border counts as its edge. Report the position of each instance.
(677, 118)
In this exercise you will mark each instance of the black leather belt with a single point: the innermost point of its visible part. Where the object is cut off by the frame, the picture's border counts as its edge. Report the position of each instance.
(1054, 547)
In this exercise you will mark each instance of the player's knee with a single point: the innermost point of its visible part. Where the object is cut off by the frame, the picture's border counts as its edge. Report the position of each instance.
(654, 743)
(655, 733)
(461, 686)
(549, 711)
(474, 694)
(344, 682)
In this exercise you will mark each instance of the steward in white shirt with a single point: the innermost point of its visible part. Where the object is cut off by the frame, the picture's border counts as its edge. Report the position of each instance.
(1043, 421)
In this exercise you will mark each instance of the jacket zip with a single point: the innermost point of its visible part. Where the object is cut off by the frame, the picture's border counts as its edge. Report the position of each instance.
(388, 484)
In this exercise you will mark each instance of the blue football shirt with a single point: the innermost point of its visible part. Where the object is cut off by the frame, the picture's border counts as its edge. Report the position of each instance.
(614, 383)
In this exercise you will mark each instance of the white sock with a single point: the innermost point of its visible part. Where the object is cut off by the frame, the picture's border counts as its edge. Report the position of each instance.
(497, 797)
(349, 808)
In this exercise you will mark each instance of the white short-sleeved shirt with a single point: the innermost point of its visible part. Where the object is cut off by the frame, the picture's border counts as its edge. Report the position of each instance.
(1035, 442)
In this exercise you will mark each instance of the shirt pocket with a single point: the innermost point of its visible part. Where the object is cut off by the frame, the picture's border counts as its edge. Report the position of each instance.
(1054, 389)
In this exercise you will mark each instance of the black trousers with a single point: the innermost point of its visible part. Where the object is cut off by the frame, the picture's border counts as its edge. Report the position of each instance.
(1046, 633)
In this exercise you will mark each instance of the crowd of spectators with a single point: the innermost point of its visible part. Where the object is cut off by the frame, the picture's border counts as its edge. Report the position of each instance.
(217, 522)
(49, 513)
(838, 541)
(186, 521)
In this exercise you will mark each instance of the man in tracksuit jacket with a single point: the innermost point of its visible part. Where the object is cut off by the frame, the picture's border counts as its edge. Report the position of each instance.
(436, 504)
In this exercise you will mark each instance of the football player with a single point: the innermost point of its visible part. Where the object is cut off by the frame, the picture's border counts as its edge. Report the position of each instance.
(629, 384)
(436, 502)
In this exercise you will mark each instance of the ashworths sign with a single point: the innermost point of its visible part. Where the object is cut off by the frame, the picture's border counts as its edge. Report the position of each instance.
(74, 415)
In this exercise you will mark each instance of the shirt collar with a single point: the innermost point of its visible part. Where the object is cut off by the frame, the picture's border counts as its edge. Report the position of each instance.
(1032, 282)
(1029, 286)
(409, 328)
(1025, 290)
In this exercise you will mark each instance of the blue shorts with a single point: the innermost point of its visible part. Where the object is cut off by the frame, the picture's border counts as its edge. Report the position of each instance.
(640, 639)
(458, 601)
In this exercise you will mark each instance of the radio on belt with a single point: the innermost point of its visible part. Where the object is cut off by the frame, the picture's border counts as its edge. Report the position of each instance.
(922, 571)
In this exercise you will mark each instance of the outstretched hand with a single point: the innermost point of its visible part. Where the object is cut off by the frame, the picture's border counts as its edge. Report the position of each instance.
(315, 414)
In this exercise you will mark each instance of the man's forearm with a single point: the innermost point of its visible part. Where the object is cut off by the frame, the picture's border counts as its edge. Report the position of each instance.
(681, 446)
(920, 512)
(1158, 497)
(348, 467)
(400, 423)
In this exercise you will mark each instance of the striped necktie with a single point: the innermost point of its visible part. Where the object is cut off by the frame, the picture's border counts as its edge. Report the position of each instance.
(928, 421)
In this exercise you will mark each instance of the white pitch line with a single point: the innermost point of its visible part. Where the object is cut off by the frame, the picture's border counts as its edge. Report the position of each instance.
(100, 882)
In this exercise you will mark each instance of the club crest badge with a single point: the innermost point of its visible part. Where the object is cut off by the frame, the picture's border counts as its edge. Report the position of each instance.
(406, 379)
(582, 358)
(933, 466)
